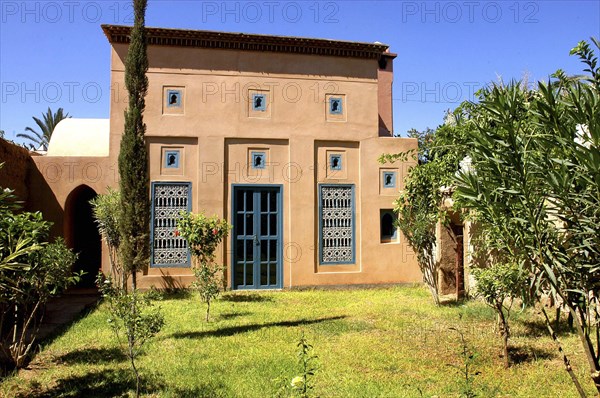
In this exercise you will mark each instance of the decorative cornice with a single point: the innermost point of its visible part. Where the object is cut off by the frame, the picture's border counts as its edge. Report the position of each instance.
(250, 42)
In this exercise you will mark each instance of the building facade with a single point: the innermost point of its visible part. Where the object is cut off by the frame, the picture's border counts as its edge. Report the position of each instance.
(279, 135)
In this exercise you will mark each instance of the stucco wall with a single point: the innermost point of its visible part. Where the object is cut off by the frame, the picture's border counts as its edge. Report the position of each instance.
(14, 173)
(215, 131)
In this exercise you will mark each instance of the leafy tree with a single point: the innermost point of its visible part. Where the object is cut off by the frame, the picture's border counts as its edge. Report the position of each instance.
(203, 235)
(46, 126)
(535, 184)
(13, 249)
(31, 271)
(107, 212)
(133, 155)
(49, 273)
(498, 284)
(419, 206)
(424, 142)
(133, 319)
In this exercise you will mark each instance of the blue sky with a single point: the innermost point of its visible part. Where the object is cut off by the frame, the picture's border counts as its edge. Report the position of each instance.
(54, 53)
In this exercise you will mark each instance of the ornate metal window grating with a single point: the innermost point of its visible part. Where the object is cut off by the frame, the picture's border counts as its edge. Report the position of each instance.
(336, 208)
(168, 200)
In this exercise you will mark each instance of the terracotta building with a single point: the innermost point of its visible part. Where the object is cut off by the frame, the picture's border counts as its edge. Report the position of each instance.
(279, 135)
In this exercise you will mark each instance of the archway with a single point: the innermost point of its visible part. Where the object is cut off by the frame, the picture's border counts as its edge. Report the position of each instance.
(81, 234)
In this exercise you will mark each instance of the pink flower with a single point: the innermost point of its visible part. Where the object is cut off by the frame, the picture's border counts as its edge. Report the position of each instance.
(215, 231)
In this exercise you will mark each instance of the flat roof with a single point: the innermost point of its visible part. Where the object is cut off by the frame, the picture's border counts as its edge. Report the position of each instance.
(250, 42)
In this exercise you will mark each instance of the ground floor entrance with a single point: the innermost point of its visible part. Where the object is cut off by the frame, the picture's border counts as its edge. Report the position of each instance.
(257, 237)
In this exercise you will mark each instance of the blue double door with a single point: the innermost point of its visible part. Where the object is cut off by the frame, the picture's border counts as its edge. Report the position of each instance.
(257, 247)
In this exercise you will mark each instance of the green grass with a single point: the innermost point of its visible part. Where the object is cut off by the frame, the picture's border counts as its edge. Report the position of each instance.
(390, 342)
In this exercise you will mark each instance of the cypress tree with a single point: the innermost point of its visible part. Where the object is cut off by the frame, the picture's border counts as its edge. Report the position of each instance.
(133, 155)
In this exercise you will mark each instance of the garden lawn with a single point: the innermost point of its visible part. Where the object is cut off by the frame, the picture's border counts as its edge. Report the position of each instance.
(388, 342)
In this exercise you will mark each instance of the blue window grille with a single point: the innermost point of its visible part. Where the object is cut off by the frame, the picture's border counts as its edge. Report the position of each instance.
(169, 249)
(335, 106)
(389, 179)
(335, 162)
(172, 159)
(259, 160)
(336, 224)
(259, 102)
(173, 98)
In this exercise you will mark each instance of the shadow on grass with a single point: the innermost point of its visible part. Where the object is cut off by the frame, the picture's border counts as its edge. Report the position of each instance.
(233, 315)
(106, 383)
(230, 331)
(176, 294)
(94, 355)
(246, 298)
(538, 328)
(204, 391)
(46, 338)
(113, 383)
(528, 354)
(452, 302)
(60, 330)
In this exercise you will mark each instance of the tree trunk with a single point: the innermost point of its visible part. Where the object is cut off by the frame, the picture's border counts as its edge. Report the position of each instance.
(588, 348)
(135, 371)
(430, 277)
(566, 360)
(504, 330)
(133, 280)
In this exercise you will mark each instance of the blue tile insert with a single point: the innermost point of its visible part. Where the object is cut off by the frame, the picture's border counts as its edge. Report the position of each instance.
(171, 159)
(335, 106)
(389, 179)
(173, 98)
(335, 162)
(259, 160)
(259, 102)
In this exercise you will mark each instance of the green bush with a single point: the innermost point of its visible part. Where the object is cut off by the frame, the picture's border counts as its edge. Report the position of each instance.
(31, 272)
(133, 318)
(203, 235)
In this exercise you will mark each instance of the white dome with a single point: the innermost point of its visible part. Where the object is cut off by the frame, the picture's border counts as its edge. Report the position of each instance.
(80, 137)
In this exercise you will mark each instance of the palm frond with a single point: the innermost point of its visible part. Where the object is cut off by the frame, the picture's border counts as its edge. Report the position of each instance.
(47, 126)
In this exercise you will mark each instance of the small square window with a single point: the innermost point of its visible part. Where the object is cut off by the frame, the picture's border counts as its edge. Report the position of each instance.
(173, 98)
(259, 160)
(335, 162)
(389, 179)
(171, 159)
(335, 106)
(259, 102)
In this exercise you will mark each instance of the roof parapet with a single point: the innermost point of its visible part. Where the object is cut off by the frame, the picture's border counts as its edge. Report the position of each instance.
(250, 42)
